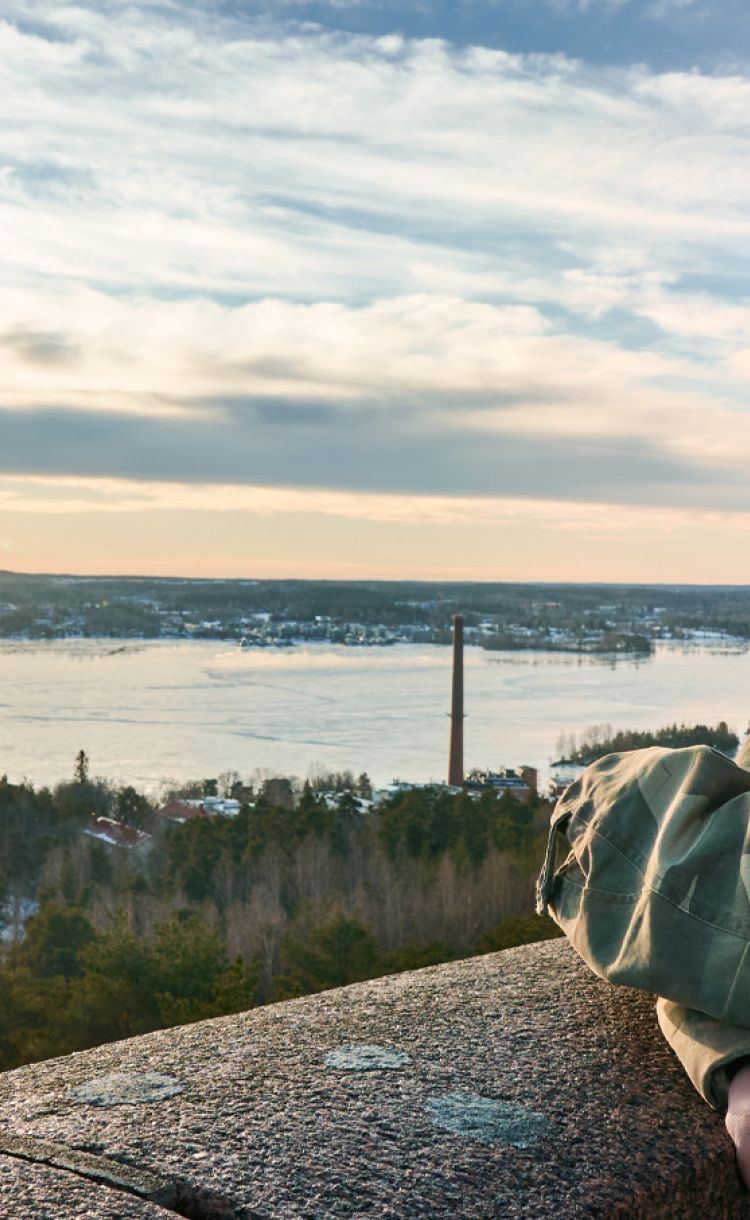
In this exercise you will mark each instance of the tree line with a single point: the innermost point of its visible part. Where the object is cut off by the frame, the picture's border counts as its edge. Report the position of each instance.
(600, 739)
(295, 894)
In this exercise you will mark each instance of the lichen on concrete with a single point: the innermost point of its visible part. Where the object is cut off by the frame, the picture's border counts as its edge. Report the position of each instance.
(488, 1120)
(364, 1058)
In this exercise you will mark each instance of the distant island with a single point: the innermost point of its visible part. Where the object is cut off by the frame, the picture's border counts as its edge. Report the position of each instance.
(604, 619)
(602, 739)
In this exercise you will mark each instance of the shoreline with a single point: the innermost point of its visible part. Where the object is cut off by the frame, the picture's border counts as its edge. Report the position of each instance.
(698, 640)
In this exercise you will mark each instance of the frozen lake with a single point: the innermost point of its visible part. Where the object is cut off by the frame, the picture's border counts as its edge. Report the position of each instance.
(147, 712)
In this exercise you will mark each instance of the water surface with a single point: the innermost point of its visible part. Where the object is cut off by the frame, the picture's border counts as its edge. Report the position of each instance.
(148, 712)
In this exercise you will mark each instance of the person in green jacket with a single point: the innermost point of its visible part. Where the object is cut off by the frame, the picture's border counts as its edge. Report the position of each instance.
(653, 891)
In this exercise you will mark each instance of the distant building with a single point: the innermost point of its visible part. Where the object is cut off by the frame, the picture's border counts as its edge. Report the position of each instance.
(530, 776)
(400, 785)
(187, 810)
(564, 773)
(222, 806)
(333, 800)
(116, 834)
(181, 811)
(520, 783)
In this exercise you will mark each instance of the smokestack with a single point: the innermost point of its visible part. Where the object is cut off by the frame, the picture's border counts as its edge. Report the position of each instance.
(456, 764)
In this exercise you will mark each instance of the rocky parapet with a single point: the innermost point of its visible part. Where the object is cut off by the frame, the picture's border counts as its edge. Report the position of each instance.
(511, 1085)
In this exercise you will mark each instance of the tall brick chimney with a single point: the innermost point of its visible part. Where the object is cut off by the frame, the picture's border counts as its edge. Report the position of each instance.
(456, 763)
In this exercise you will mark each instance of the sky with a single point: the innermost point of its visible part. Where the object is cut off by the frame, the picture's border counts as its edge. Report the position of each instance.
(426, 290)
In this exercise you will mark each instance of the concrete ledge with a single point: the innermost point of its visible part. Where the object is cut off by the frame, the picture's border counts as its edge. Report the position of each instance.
(513, 1085)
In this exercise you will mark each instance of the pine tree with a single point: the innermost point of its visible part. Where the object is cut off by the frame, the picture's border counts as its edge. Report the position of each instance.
(81, 768)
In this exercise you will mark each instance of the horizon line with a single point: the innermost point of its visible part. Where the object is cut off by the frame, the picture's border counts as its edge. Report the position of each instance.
(375, 580)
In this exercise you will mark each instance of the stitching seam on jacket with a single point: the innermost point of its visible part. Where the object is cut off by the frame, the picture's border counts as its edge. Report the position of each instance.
(647, 889)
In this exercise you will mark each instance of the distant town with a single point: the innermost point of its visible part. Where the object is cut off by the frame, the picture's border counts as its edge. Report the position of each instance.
(273, 613)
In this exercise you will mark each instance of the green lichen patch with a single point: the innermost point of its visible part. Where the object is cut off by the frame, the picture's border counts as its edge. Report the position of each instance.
(124, 1089)
(365, 1058)
(488, 1120)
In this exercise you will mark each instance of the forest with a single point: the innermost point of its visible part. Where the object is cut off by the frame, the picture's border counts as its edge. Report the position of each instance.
(297, 893)
(601, 739)
(309, 886)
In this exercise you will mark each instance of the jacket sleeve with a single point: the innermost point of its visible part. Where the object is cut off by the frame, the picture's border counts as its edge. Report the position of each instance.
(709, 1050)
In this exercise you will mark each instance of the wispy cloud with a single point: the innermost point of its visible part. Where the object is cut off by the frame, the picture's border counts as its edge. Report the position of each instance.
(314, 165)
(280, 385)
(335, 260)
(223, 529)
(39, 495)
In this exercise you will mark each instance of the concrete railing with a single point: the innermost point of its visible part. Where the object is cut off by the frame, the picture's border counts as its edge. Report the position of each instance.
(512, 1085)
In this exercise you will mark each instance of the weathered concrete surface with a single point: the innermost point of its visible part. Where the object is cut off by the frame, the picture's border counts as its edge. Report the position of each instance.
(523, 1086)
(49, 1194)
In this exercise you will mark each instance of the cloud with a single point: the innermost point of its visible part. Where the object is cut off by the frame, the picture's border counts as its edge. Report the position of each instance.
(660, 9)
(571, 8)
(367, 450)
(433, 385)
(39, 495)
(264, 156)
(36, 347)
(100, 525)
(282, 254)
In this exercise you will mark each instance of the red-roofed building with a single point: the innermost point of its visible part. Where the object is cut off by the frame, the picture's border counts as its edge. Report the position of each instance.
(207, 807)
(182, 811)
(117, 834)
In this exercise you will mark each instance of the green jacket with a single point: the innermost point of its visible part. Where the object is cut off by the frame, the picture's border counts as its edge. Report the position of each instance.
(654, 892)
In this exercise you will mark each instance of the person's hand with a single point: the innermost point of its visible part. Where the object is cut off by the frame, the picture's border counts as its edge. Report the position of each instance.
(737, 1119)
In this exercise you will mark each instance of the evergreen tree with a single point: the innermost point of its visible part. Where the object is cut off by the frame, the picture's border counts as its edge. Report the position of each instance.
(81, 768)
(132, 808)
(341, 951)
(54, 940)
